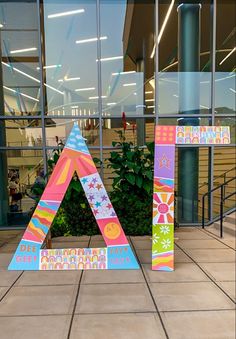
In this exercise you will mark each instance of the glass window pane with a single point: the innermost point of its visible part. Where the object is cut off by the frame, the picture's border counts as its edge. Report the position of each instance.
(126, 65)
(224, 171)
(23, 133)
(70, 66)
(20, 58)
(19, 170)
(225, 81)
(58, 130)
(184, 60)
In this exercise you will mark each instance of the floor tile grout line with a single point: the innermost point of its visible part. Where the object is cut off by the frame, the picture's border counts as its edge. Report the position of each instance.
(216, 238)
(111, 313)
(149, 289)
(119, 282)
(162, 311)
(76, 300)
(203, 310)
(208, 276)
(8, 290)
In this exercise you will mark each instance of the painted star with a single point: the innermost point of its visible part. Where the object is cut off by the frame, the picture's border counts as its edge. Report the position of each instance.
(97, 204)
(84, 180)
(99, 186)
(95, 212)
(104, 198)
(164, 162)
(109, 206)
(94, 180)
(91, 185)
(91, 197)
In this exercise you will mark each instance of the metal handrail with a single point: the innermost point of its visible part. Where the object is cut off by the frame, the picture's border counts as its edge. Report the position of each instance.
(222, 200)
(222, 210)
(223, 175)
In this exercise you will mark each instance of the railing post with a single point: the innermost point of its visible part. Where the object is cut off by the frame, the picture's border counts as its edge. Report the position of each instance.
(221, 210)
(203, 211)
(193, 208)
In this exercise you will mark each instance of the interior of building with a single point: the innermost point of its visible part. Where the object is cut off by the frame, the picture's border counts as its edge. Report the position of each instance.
(106, 62)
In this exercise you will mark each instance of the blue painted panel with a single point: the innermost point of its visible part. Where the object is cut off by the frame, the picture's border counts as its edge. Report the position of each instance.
(121, 258)
(26, 256)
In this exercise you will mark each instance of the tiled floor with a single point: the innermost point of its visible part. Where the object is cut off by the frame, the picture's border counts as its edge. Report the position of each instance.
(194, 301)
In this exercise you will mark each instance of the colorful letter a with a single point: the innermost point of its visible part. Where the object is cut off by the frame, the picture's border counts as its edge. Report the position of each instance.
(118, 253)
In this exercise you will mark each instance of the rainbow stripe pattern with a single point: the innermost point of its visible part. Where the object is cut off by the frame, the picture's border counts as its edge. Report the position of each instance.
(166, 137)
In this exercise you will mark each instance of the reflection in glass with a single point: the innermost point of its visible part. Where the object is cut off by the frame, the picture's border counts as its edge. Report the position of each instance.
(57, 131)
(23, 133)
(126, 65)
(24, 171)
(70, 66)
(19, 47)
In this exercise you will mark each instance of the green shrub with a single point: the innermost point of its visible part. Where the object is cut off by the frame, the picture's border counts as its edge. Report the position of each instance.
(132, 185)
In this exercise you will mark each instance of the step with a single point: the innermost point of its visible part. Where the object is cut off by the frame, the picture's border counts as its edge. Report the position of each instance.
(229, 228)
(231, 218)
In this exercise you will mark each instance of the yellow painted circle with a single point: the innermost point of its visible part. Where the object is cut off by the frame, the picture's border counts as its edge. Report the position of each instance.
(112, 230)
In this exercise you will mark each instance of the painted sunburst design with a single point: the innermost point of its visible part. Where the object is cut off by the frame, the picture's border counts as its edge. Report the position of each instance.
(163, 208)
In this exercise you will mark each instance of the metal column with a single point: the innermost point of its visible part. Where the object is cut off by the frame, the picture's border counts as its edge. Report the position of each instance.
(189, 87)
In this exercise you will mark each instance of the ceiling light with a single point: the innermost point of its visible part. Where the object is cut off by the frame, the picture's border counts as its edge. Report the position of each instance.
(175, 95)
(103, 97)
(29, 97)
(54, 89)
(232, 90)
(131, 84)
(49, 66)
(227, 56)
(124, 73)
(149, 92)
(57, 15)
(85, 89)
(74, 106)
(150, 106)
(72, 79)
(111, 103)
(1, 25)
(148, 100)
(25, 74)
(23, 50)
(69, 79)
(30, 77)
(90, 40)
(5, 64)
(22, 94)
(163, 27)
(111, 58)
(9, 89)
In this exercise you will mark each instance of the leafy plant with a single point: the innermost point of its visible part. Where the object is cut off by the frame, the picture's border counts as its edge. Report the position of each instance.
(132, 185)
(133, 166)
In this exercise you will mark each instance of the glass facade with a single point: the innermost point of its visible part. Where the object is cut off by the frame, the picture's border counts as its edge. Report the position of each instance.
(96, 61)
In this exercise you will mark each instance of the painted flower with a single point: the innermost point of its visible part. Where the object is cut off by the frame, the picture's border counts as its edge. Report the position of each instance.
(155, 238)
(166, 243)
(164, 229)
